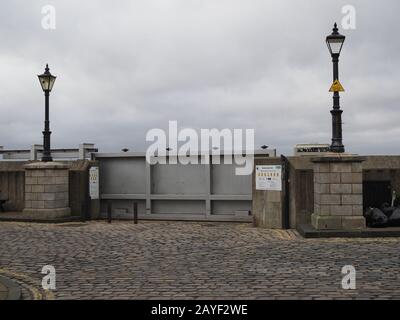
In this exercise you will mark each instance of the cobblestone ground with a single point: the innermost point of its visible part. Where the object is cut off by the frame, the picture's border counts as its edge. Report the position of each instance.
(183, 260)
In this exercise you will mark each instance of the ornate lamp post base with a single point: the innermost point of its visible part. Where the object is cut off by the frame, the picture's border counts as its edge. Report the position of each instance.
(46, 156)
(337, 140)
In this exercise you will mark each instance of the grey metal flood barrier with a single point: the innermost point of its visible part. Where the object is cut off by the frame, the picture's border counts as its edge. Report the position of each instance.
(173, 191)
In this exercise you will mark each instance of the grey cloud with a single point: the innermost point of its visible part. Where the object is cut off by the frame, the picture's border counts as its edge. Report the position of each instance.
(126, 67)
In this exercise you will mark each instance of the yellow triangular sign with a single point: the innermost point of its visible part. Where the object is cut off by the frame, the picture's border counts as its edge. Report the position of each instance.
(336, 87)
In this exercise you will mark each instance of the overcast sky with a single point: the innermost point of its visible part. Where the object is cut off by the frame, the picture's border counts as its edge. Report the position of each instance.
(124, 67)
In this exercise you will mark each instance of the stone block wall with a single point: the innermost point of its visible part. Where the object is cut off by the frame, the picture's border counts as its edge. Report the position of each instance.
(338, 198)
(12, 185)
(46, 190)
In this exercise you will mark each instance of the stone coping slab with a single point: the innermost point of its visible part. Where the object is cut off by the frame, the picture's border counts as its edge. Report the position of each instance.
(46, 165)
(338, 158)
(9, 289)
(309, 232)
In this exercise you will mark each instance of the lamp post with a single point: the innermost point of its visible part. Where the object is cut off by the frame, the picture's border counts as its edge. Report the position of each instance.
(335, 43)
(46, 81)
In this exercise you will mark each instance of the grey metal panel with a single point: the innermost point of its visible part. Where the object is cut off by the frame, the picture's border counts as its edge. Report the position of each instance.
(133, 196)
(225, 181)
(185, 217)
(178, 179)
(121, 208)
(231, 197)
(173, 191)
(122, 196)
(229, 207)
(178, 207)
(123, 175)
(207, 175)
(263, 153)
(178, 197)
(148, 187)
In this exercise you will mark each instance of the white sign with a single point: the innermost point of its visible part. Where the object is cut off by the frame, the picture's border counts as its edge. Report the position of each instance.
(269, 178)
(94, 182)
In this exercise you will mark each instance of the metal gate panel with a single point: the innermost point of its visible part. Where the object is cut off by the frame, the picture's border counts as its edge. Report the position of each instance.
(123, 175)
(225, 181)
(177, 207)
(178, 179)
(207, 192)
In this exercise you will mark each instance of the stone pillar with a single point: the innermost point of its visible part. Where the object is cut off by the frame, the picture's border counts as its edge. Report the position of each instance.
(83, 150)
(338, 197)
(266, 205)
(35, 149)
(46, 190)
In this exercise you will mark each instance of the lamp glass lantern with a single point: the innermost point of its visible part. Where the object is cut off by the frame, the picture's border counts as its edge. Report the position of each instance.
(47, 80)
(335, 41)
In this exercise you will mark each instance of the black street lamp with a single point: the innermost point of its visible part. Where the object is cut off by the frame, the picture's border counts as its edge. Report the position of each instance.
(46, 81)
(335, 43)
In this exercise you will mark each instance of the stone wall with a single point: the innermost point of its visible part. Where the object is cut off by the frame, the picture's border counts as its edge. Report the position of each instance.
(12, 185)
(374, 168)
(79, 200)
(46, 190)
(40, 189)
(301, 189)
(338, 187)
(267, 205)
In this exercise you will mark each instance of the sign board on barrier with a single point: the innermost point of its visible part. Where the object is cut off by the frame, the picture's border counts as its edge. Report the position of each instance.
(269, 178)
(94, 182)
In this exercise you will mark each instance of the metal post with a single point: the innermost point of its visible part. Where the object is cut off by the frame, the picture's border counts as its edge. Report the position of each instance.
(109, 212)
(135, 213)
(86, 208)
(285, 193)
(46, 133)
(83, 212)
(337, 138)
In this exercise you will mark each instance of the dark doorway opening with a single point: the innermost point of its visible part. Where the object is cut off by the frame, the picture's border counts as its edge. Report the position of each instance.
(376, 193)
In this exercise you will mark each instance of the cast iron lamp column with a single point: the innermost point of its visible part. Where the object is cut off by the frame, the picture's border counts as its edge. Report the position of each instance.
(335, 43)
(46, 81)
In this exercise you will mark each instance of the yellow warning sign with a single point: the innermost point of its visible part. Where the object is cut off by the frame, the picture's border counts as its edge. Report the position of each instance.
(336, 87)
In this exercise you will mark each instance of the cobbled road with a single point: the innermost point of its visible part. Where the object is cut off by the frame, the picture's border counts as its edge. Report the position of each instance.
(184, 260)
